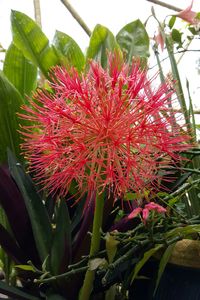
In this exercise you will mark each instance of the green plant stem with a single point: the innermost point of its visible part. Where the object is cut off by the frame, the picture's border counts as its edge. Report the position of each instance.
(76, 16)
(166, 5)
(94, 248)
(179, 89)
(61, 276)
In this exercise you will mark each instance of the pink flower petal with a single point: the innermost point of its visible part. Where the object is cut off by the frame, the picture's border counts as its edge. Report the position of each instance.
(188, 15)
(155, 207)
(159, 40)
(135, 213)
(145, 214)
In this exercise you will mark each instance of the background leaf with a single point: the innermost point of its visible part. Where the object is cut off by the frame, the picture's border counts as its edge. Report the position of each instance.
(172, 21)
(40, 222)
(133, 40)
(20, 71)
(176, 36)
(15, 293)
(101, 42)
(145, 258)
(61, 244)
(14, 207)
(29, 38)
(163, 262)
(10, 102)
(68, 50)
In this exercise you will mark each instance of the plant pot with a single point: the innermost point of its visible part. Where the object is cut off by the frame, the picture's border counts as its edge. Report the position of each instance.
(180, 280)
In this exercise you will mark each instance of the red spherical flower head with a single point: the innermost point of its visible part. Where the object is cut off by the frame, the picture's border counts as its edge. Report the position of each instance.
(105, 129)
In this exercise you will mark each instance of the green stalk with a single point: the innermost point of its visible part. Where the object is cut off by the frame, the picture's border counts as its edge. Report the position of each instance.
(179, 89)
(191, 112)
(94, 248)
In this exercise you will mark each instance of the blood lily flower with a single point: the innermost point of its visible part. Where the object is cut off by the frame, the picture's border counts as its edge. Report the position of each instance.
(105, 129)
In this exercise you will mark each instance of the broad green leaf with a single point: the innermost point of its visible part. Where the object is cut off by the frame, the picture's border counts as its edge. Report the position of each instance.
(40, 222)
(61, 244)
(10, 102)
(102, 42)
(15, 293)
(145, 258)
(134, 40)
(163, 262)
(177, 36)
(30, 39)
(68, 50)
(20, 71)
(193, 30)
(172, 21)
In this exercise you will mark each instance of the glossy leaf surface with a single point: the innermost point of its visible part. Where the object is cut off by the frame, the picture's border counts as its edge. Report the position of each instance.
(101, 42)
(10, 102)
(34, 44)
(133, 40)
(20, 71)
(69, 51)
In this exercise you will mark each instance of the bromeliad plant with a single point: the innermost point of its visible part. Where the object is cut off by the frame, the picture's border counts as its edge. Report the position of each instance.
(108, 154)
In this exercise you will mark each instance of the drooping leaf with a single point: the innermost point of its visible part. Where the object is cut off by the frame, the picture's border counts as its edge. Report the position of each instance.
(13, 204)
(39, 218)
(68, 50)
(20, 71)
(134, 40)
(29, 38)
(145, 258)
(61, 244)
(15, 293)
(10, 246)
(163, 262)
(184, 232)
(10, 102)
(101, 42)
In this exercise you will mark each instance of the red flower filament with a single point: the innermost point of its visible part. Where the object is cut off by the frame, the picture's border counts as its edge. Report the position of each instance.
(103, 129)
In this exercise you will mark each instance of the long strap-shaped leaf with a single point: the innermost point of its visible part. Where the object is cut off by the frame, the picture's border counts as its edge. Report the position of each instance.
(61, 244)
(37, 212)
(10, 102)
(30, 39)
(15, 293)
(14, 207)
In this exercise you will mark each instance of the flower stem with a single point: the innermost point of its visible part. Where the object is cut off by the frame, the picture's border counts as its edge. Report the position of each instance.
(94, 248)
